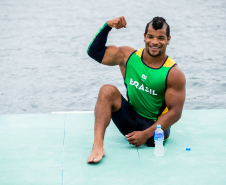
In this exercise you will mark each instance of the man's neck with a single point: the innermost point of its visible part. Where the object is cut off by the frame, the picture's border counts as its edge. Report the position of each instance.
(154, 62)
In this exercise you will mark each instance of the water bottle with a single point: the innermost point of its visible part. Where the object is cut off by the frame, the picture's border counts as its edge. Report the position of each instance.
(158, 137)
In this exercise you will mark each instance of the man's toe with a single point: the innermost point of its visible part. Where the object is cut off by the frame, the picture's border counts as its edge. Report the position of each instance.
(89, 160)
(97, 159)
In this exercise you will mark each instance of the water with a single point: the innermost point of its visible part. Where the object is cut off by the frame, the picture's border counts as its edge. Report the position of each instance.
(159, 149)
(45, 68)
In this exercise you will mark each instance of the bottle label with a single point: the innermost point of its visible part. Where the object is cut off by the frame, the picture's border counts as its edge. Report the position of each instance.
(158, 136)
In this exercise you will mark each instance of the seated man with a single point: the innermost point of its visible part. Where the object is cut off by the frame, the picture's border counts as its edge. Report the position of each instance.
(155, 87)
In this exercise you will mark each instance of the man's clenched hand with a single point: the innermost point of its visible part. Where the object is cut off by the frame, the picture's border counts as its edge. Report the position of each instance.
(118, 22)
(137, 138)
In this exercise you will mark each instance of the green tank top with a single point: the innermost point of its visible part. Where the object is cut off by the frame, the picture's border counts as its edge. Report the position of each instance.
(146, 86)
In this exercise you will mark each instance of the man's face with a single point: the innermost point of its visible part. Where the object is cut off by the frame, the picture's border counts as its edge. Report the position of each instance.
(156, 41)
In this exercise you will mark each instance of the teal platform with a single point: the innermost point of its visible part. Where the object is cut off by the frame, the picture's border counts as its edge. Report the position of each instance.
(47, 149)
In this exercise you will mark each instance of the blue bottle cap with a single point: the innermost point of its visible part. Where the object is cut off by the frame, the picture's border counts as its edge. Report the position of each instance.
(188, 149)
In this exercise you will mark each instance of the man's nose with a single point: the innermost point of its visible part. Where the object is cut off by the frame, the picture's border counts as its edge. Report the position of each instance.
(155, 41)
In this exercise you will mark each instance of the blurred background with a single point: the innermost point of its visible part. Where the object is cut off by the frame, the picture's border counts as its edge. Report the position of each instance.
(44, 66)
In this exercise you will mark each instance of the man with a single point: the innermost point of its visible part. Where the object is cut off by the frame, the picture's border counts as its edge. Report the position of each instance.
(155, 87)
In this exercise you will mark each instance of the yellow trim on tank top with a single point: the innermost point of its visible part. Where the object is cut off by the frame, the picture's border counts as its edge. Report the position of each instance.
(166, 138)
(165, 111)
(139, 52)
(169, 62)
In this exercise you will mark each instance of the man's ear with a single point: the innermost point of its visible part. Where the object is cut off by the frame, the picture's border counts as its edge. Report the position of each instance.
(144, 37)
(168, 38)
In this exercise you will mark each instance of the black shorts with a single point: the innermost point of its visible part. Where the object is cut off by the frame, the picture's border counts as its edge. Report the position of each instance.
(128, 120)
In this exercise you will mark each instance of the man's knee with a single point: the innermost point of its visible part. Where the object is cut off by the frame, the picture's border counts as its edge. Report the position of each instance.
(109, 91)
(111, 94)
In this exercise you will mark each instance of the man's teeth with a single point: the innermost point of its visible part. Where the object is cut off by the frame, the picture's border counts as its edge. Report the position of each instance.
(155, 47)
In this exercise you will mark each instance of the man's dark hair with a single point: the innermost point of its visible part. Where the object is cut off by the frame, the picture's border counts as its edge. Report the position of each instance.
(158, 23)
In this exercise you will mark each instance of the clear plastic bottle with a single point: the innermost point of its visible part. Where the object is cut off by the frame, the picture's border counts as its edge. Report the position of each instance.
(158, 137)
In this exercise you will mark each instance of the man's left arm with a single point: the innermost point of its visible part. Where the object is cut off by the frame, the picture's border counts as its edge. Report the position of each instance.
(174, 98)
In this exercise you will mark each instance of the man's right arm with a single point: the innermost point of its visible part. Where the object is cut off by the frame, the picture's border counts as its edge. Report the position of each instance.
(110, 55)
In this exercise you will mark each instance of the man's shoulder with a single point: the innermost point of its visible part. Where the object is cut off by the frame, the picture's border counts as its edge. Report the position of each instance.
(126, 51)
(176, 77)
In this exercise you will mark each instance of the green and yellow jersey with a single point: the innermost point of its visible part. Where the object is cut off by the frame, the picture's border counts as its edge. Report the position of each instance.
(146, 86)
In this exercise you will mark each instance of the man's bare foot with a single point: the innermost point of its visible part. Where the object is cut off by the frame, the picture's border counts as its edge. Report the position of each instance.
(96, 155)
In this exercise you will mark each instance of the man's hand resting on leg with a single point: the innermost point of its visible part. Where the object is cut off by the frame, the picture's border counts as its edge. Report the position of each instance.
(137, 138)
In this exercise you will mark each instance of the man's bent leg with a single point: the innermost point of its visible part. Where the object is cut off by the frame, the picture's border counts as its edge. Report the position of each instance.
(108, 101)
(125, 118)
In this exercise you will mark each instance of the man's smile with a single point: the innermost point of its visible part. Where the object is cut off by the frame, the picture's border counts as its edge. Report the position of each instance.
(154, 48)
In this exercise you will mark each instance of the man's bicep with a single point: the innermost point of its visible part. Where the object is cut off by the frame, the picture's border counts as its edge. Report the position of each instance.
(113, 56)
(175, 99)
(117, 55)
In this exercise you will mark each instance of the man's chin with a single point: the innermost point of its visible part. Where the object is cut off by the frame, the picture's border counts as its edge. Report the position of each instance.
(154, 55)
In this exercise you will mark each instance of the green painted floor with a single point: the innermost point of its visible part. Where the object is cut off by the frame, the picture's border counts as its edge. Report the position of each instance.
(53, 148)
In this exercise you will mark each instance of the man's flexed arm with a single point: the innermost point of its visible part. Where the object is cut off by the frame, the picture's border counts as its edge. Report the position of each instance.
(110, 55)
